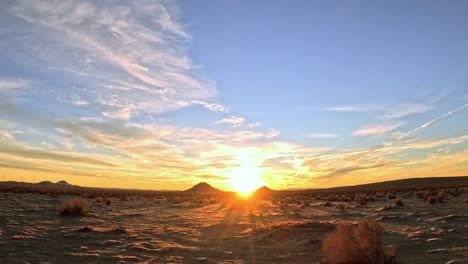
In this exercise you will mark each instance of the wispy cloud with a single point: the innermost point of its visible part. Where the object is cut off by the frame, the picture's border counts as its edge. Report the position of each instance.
(388, 117)
(321, 135)
(8, 84)
(141, 43)
(215, 107)
(34, 153)
(378, 129)
(6, 135)
(406, 109)
(392, 111)
(235, 121)
(349, 108)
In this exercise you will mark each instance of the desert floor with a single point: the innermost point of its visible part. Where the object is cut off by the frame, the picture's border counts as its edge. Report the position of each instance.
(155, 231)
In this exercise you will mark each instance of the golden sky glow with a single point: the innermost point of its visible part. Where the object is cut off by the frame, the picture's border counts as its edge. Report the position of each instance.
(167, 94)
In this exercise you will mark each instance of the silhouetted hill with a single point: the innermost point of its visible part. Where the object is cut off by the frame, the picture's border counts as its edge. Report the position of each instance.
(42, 184)
(396, 184)
(204, 188)
(63, 182)
(45, 183)
(263, 192)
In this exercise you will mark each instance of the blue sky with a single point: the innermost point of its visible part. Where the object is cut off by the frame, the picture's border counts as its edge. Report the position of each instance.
(163, 94)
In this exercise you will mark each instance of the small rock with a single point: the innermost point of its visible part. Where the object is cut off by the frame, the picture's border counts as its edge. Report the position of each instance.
(438, 250)
(454, 261)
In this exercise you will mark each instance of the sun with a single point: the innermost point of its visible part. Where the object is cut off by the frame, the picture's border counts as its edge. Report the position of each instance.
(245, 179)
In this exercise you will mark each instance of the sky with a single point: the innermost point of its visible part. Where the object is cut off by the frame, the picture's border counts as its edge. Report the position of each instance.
(290, 94)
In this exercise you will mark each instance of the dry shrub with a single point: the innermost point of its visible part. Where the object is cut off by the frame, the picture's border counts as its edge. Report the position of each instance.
(341, 206)
(354, 244)
(399, 202)
(422, 194)
(108, 201)
(75, 206)
(380, 195)
(361, 201)
(432, 200)
(440, 197)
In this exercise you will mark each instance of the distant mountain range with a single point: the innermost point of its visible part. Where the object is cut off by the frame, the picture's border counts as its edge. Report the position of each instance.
(205, 188)
(61, 183)
(402, 183)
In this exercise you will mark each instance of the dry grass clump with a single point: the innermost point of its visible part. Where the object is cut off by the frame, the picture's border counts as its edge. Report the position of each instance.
(380, 195)
(108, 201)
(399, 202)
(77, 206)
(98, 199)
(361, 200)
(423, 194)
(441, 196)
(354, 244)
(341, 206)
(432, 200)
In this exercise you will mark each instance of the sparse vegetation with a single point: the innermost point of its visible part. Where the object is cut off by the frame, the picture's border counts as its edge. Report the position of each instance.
(74, 207)
(399, 202)
(108, 201)
(361, 201)
(358, 243)
(341, 206)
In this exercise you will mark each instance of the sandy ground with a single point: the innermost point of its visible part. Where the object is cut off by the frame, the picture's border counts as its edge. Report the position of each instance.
(150, 231)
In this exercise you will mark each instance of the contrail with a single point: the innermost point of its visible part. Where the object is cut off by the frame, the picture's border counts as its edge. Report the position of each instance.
(432, 121)
(409, 133)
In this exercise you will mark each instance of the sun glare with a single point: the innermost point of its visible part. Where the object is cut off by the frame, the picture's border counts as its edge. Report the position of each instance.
(245, 179)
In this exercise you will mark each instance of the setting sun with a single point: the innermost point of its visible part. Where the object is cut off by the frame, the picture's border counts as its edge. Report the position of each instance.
(245, 179)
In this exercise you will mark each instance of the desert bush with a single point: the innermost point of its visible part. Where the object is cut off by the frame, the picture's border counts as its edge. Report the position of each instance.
(422, 194)
(53, 194)
(399, 202)
(108, 201)
(432, 200)
(380, 195)
(353, 244)
(455, 193)
(75, 206)
(361, 201)
(341, 206)
(98, 199)
(346, 198)
(408, 195)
